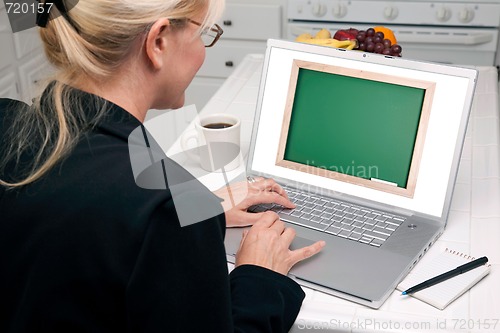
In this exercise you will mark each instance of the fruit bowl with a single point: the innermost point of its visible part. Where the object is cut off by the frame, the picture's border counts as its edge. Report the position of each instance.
(378, 39)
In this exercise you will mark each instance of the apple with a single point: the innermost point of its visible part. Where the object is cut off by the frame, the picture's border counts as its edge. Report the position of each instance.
(346, 34)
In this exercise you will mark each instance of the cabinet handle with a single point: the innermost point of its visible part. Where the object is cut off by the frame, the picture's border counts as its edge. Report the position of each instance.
(229, 63)
(227, 22)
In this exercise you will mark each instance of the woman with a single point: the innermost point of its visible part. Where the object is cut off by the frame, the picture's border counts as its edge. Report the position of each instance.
(82, 247)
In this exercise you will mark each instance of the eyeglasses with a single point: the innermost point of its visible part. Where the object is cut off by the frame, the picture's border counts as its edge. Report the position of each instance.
(211, 35)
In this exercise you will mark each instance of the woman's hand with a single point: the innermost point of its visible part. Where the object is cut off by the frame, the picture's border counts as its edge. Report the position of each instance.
(267, 244)
(242, 195)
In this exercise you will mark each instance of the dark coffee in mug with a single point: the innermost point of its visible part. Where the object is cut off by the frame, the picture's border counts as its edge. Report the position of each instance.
(217, 125)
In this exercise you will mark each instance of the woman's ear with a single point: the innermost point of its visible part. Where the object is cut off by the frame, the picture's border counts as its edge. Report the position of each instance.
(156, 42)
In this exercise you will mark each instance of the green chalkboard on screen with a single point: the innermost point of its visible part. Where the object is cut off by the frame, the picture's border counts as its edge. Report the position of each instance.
(356, 126)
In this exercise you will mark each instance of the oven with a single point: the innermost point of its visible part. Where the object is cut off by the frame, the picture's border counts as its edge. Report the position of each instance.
(446, 31)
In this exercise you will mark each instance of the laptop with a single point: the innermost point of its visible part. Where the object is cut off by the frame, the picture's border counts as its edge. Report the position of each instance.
(368, 147)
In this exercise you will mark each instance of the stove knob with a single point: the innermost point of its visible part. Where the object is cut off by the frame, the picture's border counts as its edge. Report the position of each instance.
(466, 15)
(391, 12)
(339, 10)
(319, 10)
(443, 14)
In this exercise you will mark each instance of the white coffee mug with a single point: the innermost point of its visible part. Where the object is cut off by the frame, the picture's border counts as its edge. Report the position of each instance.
(217, 139)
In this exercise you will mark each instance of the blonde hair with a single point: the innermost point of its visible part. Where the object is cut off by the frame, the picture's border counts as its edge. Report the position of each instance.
(94, 45)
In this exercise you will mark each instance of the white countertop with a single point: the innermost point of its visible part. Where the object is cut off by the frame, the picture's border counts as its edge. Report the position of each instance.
(473, 227)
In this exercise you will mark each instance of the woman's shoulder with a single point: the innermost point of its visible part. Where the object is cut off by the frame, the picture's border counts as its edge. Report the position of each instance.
(9, 106)
(8, 103)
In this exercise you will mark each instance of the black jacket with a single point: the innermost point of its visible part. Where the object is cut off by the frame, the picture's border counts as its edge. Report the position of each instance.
(84, 249)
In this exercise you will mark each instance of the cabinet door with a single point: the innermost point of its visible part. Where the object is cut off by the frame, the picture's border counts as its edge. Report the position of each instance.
(7, 56)
(221, 60)
(27, 42)
(251, 22)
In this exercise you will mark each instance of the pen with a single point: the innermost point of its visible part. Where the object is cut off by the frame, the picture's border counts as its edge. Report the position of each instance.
(445, 276)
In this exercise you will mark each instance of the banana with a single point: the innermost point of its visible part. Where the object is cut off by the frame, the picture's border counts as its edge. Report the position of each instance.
(340, 44)
(323, 38)
(354, 44)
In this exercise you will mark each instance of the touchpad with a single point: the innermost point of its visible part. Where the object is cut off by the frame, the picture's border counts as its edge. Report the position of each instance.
(300, 242)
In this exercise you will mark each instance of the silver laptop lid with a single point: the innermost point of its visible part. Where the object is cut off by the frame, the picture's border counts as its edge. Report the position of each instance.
(414, 160)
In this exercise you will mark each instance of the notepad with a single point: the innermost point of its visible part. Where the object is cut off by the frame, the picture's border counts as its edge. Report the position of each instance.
(442, 294)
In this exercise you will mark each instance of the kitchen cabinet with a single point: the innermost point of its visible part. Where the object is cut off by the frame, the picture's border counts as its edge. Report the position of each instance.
(247, 26)
(23, 65)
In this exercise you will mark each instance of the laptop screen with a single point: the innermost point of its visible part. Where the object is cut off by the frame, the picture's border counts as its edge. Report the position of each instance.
(383, 129)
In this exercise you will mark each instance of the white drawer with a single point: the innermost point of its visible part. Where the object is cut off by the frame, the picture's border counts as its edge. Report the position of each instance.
(251, 22)
(225, 56)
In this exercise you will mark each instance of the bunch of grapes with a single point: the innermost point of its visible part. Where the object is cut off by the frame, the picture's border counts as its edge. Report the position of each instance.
(371, 41)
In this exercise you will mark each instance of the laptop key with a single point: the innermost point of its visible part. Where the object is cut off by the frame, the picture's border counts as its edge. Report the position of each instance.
(286, 211)
(310, 200)
(337, 224)
(358, 224)
(394, 222)
(259, 209)
(349, 210)
(336, 218)
(267, 206)
(318, 207)
(326, 222)
(358, 231)
(316, 219)
(329, 210)
(346, 222)
(277, 208)
(306, 210)
(370, 222)
(333, 230)
(378, 231)
(381, 225)
(306, 216)
(355, 236)
(365, 239)
(329, 204)
(347, 227)
(370, 216)
(376, 242)
(339, 213)
(344, 233)
(327, 216)
(349, 216)
(309, 205)
(324, 201)
(316, 212)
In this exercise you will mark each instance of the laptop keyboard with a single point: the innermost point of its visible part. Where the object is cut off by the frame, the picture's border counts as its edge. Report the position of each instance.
(335, 217)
